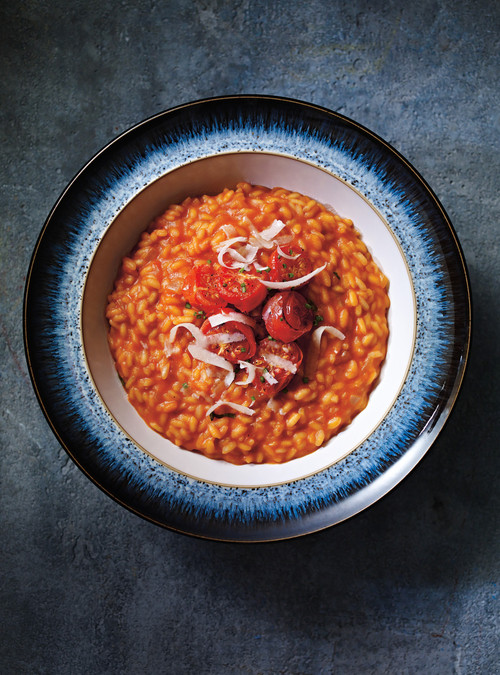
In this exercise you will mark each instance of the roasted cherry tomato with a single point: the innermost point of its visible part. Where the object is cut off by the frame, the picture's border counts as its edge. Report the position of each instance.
(201, 288)
(259, 329)
(268, 347)
(240, 350)
(288, 316)
(244, 291)
(286, 269)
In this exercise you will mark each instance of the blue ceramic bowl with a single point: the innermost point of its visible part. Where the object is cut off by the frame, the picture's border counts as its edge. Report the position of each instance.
(201, 148)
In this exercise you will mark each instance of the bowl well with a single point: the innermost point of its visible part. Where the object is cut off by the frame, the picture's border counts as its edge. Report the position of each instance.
(210, 175)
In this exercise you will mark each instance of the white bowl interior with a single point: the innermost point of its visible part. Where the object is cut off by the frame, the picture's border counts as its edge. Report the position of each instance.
(209, 176)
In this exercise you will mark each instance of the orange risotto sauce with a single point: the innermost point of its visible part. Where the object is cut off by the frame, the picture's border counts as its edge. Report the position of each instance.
(173, 391)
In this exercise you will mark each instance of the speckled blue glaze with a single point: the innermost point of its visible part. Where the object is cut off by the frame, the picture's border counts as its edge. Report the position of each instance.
(76, 226)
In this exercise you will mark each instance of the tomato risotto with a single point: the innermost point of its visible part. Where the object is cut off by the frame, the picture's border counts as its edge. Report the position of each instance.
(249, 326)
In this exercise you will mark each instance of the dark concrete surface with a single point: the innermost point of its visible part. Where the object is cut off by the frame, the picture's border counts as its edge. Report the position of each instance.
(410, 585)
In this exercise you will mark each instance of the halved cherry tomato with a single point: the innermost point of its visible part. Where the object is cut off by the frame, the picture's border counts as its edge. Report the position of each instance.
(286, 269)
(232, 351)
(290, 352)
(244, 291)
(287, 316)
(201, 288)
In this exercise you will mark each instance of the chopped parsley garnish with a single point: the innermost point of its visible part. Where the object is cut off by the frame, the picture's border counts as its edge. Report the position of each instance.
(243, 349)
(338, 277)
(318, 319)
(291, 275)
(244, 288)
(253, 398)
(185, 385)
(187, 305)
(262, 378)
(310, 305)
(199, 314)
(305, 379)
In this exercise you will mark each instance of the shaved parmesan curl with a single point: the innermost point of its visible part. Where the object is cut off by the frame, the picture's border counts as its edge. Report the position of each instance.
(285, 255)
(241, 258)
(293, 282)
(224, 338)
(280, 362)
(273, 230)
(314, 348)
(318, 332)
(212, 359)
(228, 229)
(225, 247)
(251, 372)
(224, 317)
(200, 338)
(229, 242)
(266, 238)
(268, 377)
(236, 406)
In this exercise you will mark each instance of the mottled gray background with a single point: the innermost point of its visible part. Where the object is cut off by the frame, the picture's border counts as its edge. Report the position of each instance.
(410, 585)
